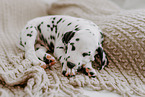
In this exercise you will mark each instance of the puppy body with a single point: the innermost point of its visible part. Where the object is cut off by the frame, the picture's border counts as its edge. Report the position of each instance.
(73, 41)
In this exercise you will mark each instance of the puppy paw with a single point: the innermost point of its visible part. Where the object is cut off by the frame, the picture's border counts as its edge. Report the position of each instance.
(68, 72)
(68, 69)
(88, 70)
(49, 60)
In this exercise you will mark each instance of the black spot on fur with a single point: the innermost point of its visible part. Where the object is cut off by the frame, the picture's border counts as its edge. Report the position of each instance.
(37, 49)
(76, 25)
(77, 29)
(64, 72)
(41, 37)
(51, 29)
(63, 21)
(86, 54)
(100, 53)
(52, 37)
(59, 58)
(58, 35)
(54, 18)
(39, 29)
(71, 43)
(77, 39)
(26, 27)
(73, 47)
(51, 49)
(55, 29)
(59, 20)
(67, 37)
(52, 45)
(79, 63)
(67, 58)
(29, 35)
(69, 24)
(39, 58)
(52, 22)
(66, 48)
(91, 73)
(53, 26)
(48, 25)
(25, 43)
(60, 47)
(45, 41)
(70, 65)
(62, 64)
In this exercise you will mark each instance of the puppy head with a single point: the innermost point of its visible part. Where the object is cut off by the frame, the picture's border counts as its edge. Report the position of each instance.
(81, 49)
(84, 48)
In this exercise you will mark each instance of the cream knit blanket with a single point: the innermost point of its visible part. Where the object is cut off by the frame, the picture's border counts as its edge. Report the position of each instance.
(124, 33)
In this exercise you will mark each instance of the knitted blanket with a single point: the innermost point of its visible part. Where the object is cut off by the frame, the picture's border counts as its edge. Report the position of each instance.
(124, 33)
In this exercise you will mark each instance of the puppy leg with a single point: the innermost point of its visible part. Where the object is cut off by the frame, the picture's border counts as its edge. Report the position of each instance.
(61, 56)
(69, 69)
(89, 70)
(28, 38)
(43, 56)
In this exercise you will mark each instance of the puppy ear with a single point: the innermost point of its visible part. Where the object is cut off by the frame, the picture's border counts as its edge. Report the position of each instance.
(101, 54)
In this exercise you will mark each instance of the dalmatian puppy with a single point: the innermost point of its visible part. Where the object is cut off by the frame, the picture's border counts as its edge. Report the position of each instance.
(75, 42)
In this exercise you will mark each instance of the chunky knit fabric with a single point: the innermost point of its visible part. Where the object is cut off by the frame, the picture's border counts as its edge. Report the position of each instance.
(124, 33)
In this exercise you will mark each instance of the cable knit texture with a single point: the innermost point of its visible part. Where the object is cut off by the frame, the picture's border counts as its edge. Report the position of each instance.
(124, 33)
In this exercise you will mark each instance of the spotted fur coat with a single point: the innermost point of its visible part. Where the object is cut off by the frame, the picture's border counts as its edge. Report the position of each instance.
(75, 42)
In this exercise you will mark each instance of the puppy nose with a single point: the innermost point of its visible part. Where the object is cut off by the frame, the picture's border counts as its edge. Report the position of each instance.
(70, 65)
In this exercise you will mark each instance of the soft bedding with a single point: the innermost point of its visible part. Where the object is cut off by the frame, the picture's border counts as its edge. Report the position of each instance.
(124, 34)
